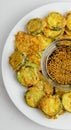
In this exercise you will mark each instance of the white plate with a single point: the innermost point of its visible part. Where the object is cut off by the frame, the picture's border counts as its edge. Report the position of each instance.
(14, 89)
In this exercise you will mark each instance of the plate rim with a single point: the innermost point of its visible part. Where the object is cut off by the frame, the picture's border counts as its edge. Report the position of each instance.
(3, 56)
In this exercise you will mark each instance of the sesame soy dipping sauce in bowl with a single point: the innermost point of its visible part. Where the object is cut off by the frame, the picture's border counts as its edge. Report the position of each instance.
(56, 64)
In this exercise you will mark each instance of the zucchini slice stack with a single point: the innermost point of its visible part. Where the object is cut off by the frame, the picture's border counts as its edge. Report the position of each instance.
(25, 61)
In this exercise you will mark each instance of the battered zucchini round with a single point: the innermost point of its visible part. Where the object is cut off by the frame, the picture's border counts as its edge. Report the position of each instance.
(34, 26)
(45, 41)
(28, 44)
(39, 85)
(48, 90)
(68, 20)
(66, 101)
(65, 44)
(51, 105)
(68, 24)
(17, 60)
(45, 87)
(68, 32)
(64, 36)
(35, 58)
(55, 21)
(31, 64)
(33, 96)
(27, 76)
(39, 54)
(59, 92)
(51, 33)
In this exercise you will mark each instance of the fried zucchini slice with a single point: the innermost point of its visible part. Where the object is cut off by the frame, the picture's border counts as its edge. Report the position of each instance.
(17, 60)
(66, 101)
(33, 96)
(50, 106)
(55, 21)
(68, 21)
(39, 54)
(39, 85)
(35, 58)
(27, 76)
(68, 32)
(51, 33)
(64, 36)
(34, 26)
(59, 92)
(48, 89)
(28, 44)
(45, 41)
(45, 87)
(31, 64)
(64, 43)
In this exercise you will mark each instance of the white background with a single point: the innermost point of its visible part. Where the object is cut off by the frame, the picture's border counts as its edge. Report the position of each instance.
(11, 11)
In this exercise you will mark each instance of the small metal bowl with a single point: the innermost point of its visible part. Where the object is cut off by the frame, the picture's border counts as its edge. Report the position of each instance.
(48, 51)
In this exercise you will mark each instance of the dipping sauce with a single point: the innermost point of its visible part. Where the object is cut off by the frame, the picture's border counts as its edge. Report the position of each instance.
(59, 65)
